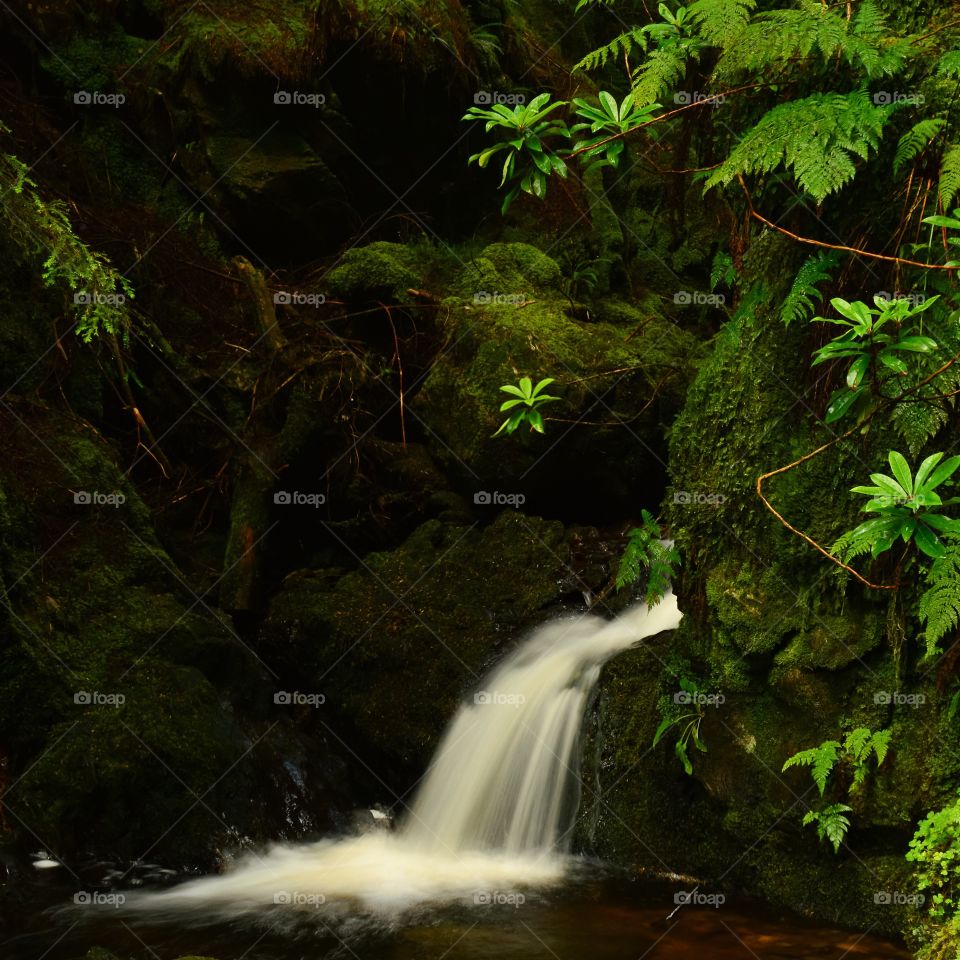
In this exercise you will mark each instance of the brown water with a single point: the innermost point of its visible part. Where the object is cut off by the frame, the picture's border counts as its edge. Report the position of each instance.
(597, 916)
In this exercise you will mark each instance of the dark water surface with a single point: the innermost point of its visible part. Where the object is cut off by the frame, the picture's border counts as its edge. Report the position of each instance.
(595, 916)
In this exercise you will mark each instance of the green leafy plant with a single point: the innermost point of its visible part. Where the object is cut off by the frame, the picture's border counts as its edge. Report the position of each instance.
(853, 754)
(907, 508)
(832, 823)
(939, 606)
(873, 352)
(935, 851)
(529, 157)
(605, 120)
(526, 400)
(799, 302)
(645, 553)
(100, 294)
(689, 720)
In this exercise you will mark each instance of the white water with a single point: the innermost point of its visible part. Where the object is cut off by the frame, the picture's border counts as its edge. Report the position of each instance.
(493, 811)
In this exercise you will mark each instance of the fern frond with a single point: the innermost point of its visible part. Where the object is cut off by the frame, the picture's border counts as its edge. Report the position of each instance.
(721, 22)
(816, 136)
(777, 38)
(949, 175)
(915, 140)
(918, 421)
(619, 46)
(939, 608)
(822, 759)
(799, 303)
(949, 64)
(661, 71)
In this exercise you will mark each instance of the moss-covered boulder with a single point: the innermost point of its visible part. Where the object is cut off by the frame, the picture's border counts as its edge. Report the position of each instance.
(798, 653)
(135, 718)
(621, 371)
(394, 645)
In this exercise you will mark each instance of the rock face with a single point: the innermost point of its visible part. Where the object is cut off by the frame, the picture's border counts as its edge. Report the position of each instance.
(798, 655)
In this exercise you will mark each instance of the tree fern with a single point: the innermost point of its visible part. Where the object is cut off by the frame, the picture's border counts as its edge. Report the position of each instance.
(915, 140)
(949, 175)
(661, 71)
(781, 37)
(918, 421)
(720, 22)
(817, 137)
(939, 607)
(799, 303)
(949, 64)
(619, 46)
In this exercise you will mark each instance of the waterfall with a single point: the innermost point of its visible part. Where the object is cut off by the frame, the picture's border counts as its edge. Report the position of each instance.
(493, 811)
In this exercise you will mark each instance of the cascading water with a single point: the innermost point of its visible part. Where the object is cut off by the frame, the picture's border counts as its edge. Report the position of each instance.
(493, 811)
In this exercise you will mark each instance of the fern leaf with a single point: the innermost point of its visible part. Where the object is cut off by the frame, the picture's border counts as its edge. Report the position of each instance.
(799, 303)
(721, 22)
(949, 175)
(915, 141)
(918, 421)
(949, 64)
(816, 136)
(939, 608)
(660, 72)
(619, 46)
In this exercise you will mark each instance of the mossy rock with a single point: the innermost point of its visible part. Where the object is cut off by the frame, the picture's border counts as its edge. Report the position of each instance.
(395, 645)
(620, 377)
(378, 270)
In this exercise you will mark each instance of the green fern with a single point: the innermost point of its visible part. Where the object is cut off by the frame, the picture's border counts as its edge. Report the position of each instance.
(817, 137)
(644, 552)
(939, 607)
(661, 71)
(721, 22)
(916, 140)
(832, 823)
(799, 303)
(949, 64)
(949, 183)
(619, 46)
(918, 421)
(783, 37)
(822, 759)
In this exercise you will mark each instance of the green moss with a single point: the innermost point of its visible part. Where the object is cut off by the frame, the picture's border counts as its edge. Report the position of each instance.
(372, 272)
(396, 644)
